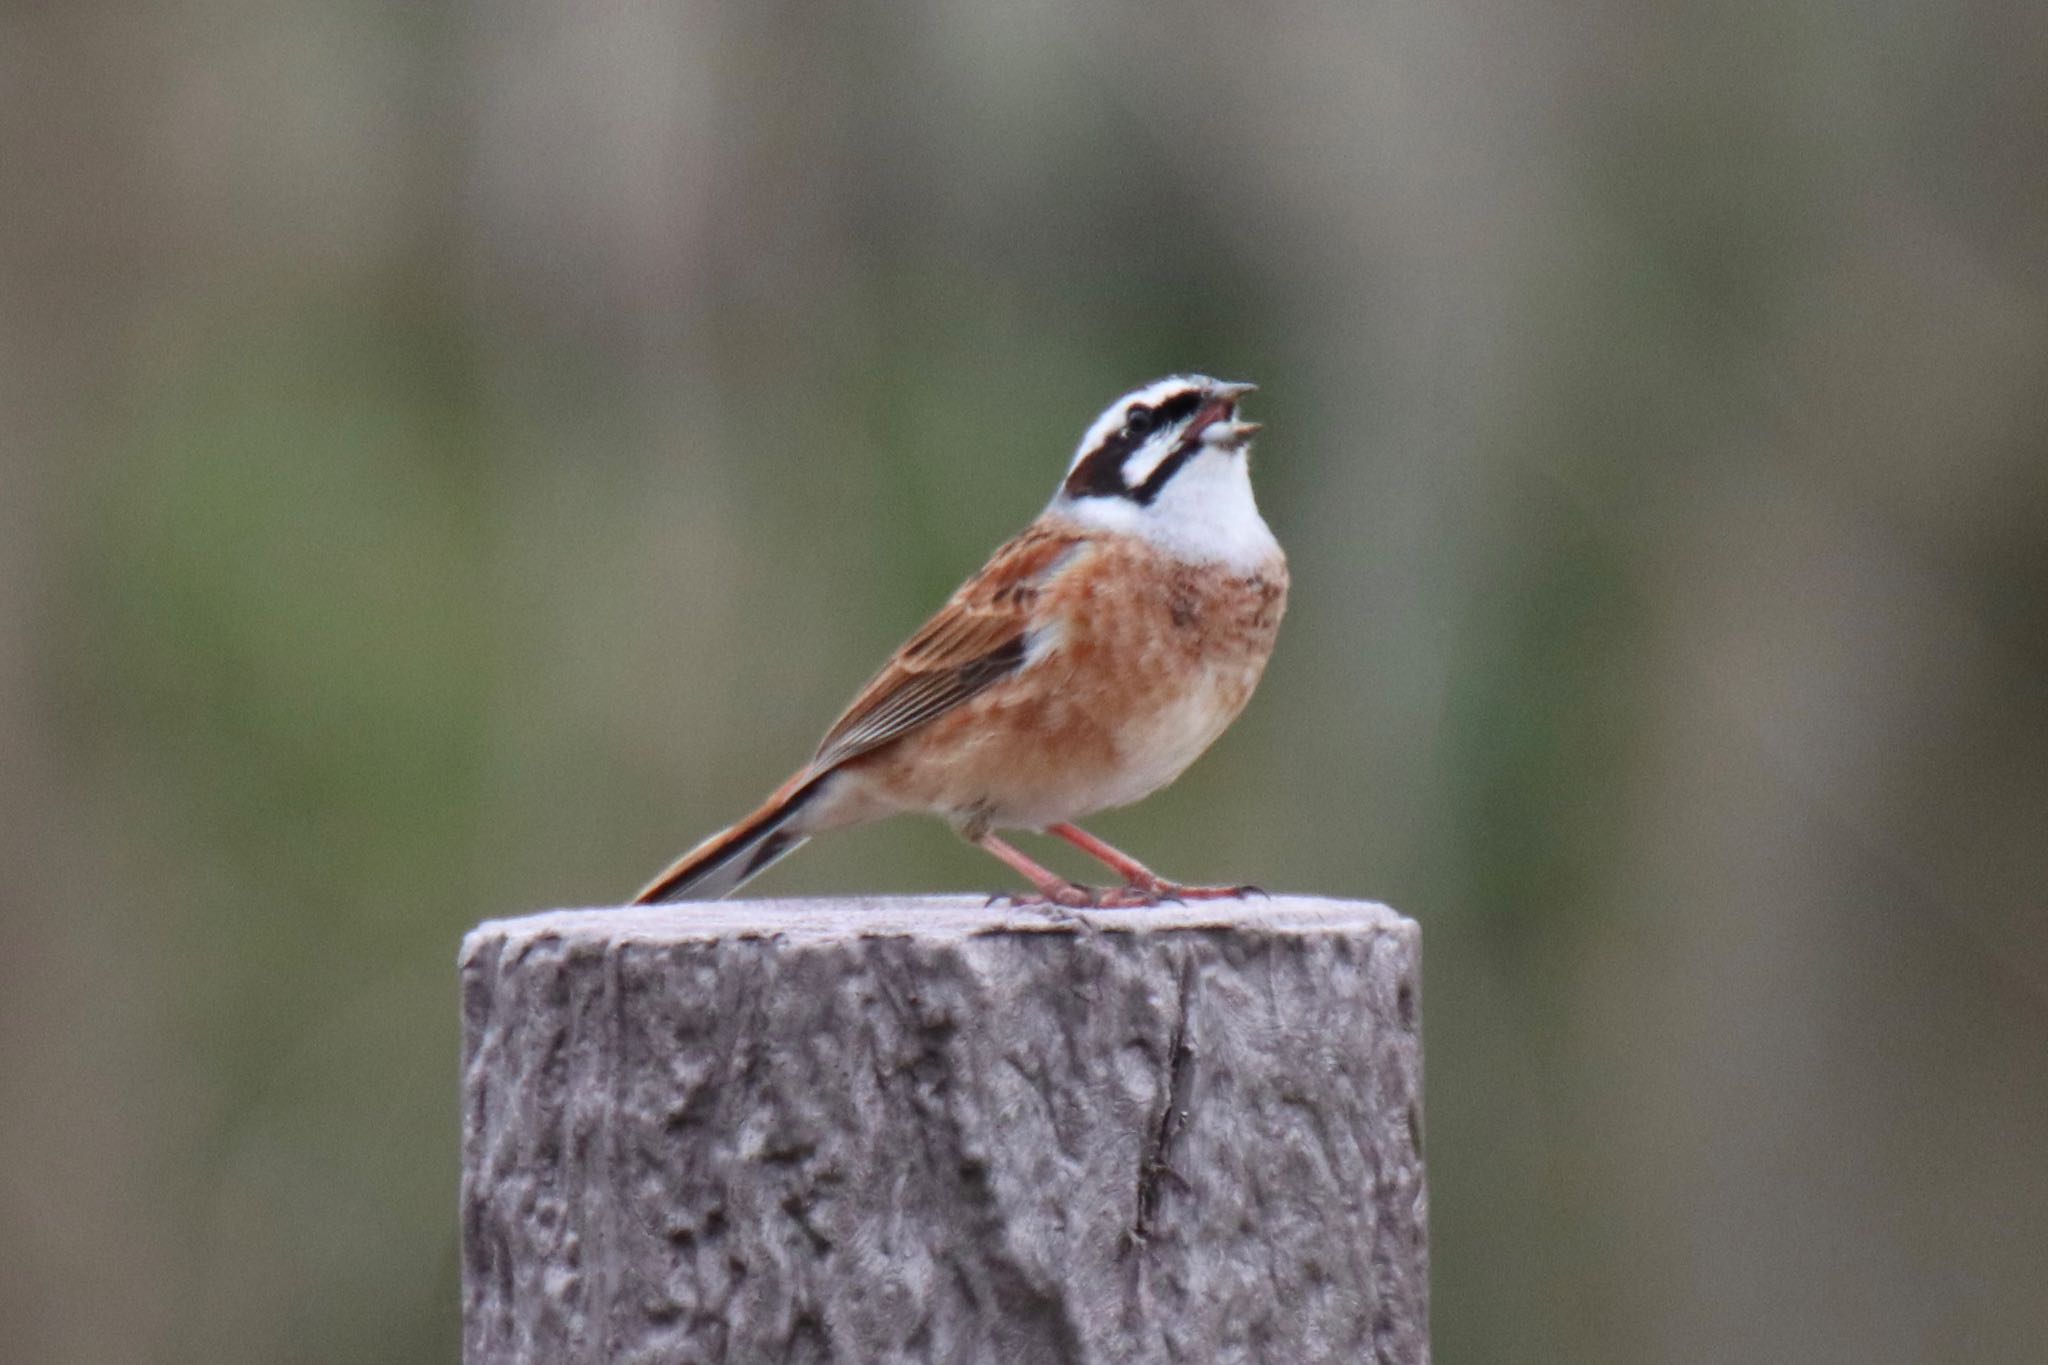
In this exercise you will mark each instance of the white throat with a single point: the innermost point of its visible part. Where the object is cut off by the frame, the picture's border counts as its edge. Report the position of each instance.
(1205, 514)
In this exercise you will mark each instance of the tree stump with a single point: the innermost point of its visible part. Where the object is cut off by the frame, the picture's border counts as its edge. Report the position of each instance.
(888, 1130)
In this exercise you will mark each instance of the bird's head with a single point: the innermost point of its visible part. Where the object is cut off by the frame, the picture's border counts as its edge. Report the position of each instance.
(1170, 462)
(1141, 443)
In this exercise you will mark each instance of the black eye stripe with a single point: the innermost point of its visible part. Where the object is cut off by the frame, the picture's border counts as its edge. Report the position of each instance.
(1101, 472)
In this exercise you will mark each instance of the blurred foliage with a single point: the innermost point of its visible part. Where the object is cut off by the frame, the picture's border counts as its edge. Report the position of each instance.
(455, 456)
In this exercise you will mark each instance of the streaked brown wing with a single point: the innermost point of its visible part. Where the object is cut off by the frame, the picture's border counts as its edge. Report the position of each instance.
(977, 638)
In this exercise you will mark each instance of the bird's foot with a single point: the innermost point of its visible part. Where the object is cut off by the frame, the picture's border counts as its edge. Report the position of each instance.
(1062, 903)
(1141, 895)
(1159, 889)
(1061, 899)
(1133, 897)
(1057, 900)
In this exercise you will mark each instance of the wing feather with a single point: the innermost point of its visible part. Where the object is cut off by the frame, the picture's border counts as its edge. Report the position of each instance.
(979, 637)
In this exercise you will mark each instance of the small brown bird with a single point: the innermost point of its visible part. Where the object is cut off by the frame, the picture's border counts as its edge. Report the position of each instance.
(1086, 666)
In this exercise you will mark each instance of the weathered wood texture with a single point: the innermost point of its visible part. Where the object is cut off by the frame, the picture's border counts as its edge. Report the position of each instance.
(923, 1130)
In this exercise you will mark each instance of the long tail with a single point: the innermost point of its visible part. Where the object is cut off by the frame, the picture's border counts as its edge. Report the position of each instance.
(721, 864)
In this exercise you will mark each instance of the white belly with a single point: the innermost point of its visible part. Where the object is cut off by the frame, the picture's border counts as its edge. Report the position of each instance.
(1158, 747)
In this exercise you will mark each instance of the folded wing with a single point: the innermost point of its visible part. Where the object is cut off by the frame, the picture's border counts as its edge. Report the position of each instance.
(982, 635)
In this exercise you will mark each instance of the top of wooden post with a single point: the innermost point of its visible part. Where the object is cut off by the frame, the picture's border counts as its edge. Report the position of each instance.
(929, 917)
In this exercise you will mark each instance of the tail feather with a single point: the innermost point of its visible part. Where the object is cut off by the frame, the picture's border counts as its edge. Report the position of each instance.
(727, 860)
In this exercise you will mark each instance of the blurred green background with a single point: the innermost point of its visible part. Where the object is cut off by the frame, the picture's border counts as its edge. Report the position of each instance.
(455, 455)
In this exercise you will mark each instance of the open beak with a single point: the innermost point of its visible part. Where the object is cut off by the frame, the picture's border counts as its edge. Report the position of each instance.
(1217, 422)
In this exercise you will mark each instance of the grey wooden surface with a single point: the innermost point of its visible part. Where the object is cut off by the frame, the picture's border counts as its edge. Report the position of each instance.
(926, 1130)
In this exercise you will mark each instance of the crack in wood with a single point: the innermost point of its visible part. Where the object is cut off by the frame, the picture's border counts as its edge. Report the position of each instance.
(1154, 1168)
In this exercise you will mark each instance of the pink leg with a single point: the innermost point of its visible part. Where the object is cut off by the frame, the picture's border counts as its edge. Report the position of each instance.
(1050, 885)
(1139, 878)
(1115, 859)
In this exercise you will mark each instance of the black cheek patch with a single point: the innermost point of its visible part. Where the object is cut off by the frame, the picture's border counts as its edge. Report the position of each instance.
(1101, 474)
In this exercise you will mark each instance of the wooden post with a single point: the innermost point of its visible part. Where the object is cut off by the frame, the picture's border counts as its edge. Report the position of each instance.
(926, 1130)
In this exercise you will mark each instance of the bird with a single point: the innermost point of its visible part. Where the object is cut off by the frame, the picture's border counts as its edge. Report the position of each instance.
(1094, 657)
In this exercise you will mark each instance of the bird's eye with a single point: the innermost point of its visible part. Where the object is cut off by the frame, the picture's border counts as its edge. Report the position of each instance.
(1140, 421)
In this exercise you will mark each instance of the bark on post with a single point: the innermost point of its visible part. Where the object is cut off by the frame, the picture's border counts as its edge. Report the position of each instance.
(926, 1130)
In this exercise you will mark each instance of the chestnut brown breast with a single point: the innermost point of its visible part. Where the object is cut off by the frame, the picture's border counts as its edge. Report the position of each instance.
(1137, 663)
